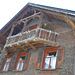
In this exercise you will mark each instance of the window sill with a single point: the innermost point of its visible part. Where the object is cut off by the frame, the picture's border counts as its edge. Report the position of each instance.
(48, 69)
(17, 71)
(10, 71)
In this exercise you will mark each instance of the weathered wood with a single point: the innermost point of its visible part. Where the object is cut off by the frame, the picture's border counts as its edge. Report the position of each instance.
(32, 46)
(71, 24)
(25, 12)
(40, 20)
(29, 17)
(24, 27)
(60, 57)
(43, 37)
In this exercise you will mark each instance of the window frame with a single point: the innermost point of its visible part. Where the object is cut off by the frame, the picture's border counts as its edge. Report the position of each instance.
(6, 57)
(49, 50)
(20, 54)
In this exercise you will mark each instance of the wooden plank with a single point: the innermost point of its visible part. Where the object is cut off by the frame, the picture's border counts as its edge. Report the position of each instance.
(11, 30)
(29, 17)
(32, 46)
(40, 20)
(71, 24)
(24, 27)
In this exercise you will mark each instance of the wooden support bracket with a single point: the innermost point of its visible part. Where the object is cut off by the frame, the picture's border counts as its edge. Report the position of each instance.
(32, 46)
(71, 24)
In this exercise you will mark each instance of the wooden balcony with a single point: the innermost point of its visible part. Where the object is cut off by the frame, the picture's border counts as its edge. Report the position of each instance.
(31, 40)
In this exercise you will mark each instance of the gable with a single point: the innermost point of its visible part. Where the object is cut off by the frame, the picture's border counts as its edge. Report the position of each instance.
(30, 9)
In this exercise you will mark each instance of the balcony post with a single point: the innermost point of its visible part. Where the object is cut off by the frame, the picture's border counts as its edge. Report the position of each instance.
(12, 29)
(40, 20)
(24, 27)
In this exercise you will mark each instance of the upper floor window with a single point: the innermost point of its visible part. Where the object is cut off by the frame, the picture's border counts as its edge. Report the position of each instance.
(6, 66)
(21, 58)
(50, 60)
(7, 62)
(20, 63)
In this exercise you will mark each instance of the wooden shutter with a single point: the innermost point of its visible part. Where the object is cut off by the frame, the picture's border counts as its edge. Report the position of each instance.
(32, 27)
(13, 62)
(60, 57)
(26, 61)
(40, 60)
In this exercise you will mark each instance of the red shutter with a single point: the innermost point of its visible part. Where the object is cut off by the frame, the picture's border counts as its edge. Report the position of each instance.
(32, 27)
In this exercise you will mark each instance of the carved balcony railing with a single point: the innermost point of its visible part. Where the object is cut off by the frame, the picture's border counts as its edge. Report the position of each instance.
(38, 34)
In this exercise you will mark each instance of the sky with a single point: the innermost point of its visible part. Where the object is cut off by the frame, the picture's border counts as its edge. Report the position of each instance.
(9, 8)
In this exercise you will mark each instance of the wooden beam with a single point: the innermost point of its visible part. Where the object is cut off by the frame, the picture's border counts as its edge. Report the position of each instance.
(71, 24)
(29, 17)
(24, 27)
(11, 30)
(46, 42)
(40, 20)
(32, 46)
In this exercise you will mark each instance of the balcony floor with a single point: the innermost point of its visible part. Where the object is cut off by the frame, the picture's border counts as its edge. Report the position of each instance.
(32, 44)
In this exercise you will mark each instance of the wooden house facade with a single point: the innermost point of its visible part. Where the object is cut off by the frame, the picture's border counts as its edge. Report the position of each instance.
(38, 40)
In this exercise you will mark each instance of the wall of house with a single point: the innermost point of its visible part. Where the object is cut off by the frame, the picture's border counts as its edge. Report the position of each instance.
(66, 40)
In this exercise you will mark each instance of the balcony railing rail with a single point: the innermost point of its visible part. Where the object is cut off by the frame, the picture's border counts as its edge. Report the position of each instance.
(39, 33)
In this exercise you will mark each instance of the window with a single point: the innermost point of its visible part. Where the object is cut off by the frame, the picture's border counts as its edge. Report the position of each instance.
(7, 62)
(6, 66)
(20, 61)
(50, 60)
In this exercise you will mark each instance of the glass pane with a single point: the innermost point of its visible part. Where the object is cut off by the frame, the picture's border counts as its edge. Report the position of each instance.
(53, 62)
(51, 54)
(8, 59)
(20, 59)
(21, 67)
(18, 65)
(4, 67)
(47, 60)
(7, 67)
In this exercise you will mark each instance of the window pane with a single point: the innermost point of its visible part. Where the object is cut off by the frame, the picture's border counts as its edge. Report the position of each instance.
(47, 60)
(51, 54)
(18, 65)
(21, 67)
(8, 59)
(53, 62)
(7, 67)
(4, 67)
